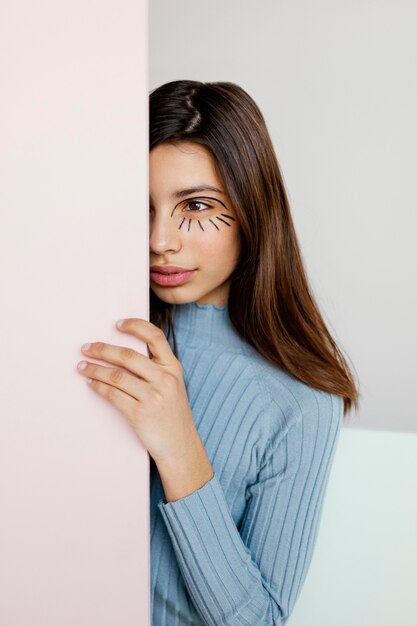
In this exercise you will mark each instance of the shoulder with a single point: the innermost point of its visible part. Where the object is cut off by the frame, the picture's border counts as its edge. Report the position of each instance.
(292, 405)
(282, 394)
(282, 406)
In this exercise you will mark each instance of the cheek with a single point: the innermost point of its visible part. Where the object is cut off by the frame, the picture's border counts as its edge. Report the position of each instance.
(218, 250)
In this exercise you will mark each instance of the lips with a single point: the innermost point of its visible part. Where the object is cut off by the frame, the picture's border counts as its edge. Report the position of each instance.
(170, 275)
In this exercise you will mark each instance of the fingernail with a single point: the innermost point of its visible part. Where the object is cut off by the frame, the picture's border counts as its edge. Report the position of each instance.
(119, 323)
(86, 346)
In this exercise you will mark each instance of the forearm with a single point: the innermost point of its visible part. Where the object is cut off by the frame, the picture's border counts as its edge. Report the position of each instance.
(218, 569)
(181, 477)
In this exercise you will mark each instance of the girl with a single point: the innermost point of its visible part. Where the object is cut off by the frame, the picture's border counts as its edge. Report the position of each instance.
(240, 404)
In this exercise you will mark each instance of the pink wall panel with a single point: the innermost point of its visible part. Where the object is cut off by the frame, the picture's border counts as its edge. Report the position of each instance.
(74, 536)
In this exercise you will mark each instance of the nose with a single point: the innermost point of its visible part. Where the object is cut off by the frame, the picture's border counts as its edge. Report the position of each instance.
(164, 234)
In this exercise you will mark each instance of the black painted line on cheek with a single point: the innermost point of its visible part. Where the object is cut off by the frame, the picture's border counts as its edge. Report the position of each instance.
(189, 223)
(224, 221)
(181, 223)
(210, 220)
(200, 225)
(229, 216)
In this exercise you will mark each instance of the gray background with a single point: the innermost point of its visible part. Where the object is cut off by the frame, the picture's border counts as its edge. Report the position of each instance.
(336, 84)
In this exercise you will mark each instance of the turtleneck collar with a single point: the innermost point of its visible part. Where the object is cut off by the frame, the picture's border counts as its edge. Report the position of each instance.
(196, 325)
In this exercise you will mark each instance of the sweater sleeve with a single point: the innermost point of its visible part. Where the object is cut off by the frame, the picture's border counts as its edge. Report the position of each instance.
(253, 575)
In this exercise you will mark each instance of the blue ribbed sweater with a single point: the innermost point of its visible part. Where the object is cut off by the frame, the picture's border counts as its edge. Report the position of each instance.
(236, 551)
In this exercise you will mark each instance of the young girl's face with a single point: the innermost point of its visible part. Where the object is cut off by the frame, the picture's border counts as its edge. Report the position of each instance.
(193, 226)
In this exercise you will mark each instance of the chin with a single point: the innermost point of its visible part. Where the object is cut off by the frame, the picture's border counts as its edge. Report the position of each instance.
(173, 296)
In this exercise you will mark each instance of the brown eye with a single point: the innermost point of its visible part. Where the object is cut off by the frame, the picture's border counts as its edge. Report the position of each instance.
(195, 204)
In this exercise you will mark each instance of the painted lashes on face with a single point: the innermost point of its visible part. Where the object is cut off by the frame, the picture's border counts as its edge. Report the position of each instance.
(223, 219)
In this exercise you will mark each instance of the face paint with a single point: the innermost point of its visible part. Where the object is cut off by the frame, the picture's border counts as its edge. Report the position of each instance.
(204, 215)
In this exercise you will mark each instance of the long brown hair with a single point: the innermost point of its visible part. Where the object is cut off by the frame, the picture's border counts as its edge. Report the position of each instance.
(270, 303)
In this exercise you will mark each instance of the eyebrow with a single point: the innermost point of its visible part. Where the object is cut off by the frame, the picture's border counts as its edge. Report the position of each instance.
(186, 192)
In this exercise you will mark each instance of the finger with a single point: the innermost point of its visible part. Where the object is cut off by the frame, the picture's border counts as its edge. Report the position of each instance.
(122, 380)
(153, 336)
(126, 404)
(138, 364)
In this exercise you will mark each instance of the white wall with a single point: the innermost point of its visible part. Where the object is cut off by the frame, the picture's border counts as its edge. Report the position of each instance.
(336, 83)
(74, 492)
(364, 566)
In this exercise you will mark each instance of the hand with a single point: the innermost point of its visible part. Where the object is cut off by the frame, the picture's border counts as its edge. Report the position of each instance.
(152, 394)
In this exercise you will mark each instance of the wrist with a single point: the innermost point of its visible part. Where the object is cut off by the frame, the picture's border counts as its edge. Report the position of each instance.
(181, 476)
